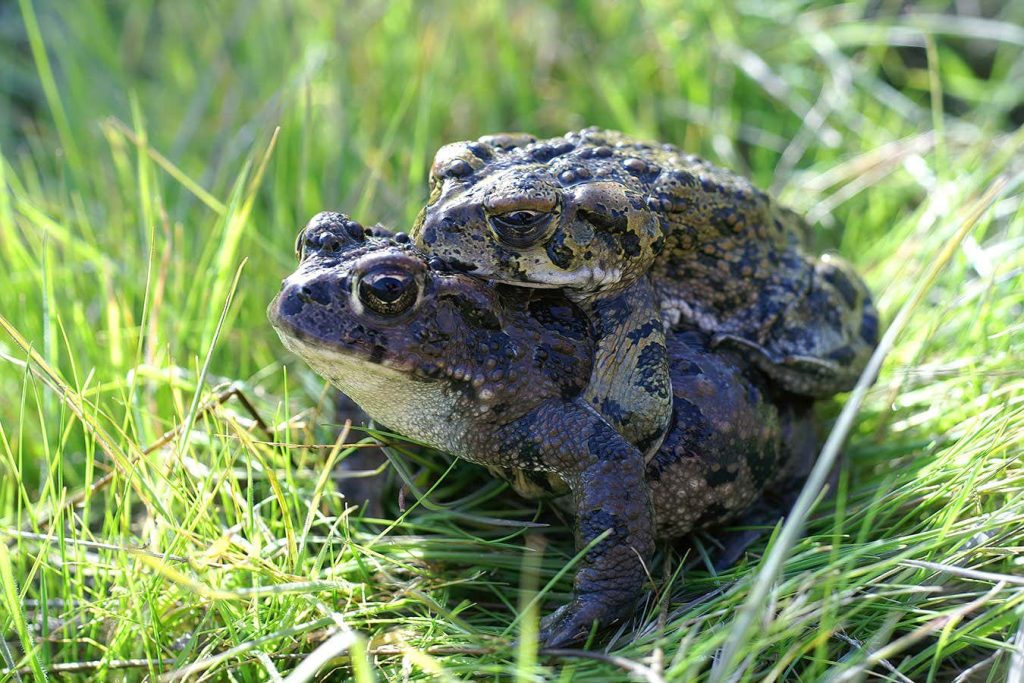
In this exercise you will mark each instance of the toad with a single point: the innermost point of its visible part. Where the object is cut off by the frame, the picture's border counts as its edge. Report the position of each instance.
(645, 237)
(498, 376)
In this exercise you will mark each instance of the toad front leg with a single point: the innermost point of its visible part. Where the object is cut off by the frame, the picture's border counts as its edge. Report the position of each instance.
(630, 383)
(605, 475)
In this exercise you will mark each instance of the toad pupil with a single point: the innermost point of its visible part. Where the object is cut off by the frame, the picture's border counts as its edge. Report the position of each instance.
(520, 219)
(387, 293)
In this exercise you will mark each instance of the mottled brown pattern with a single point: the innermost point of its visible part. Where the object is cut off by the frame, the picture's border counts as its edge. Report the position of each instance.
(721, 256)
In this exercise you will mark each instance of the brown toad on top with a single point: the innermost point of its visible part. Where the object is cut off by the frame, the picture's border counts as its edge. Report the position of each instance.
(596, 211)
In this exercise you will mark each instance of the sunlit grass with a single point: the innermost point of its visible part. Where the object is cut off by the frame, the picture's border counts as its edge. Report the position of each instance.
(152, 152)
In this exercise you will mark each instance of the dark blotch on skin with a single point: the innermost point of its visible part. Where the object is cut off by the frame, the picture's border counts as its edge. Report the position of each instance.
(869, 328)
(540, 479)
(722, 475)
(649, 368)
(612, 223)
(378, 354)
(559, 253)
(646, 330)
(842, 355)
(714, 512)
(726, 216)
(630, 245)
(610, 314)
(839, 280)
(611, 409)
(461, 266)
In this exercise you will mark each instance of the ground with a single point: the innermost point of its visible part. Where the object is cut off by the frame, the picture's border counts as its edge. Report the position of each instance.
(156, 161)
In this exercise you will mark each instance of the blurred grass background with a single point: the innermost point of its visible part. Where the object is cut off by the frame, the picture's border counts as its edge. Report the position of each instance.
(139, 169)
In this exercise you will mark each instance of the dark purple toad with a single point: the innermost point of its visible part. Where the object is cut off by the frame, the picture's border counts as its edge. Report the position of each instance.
(499, 376)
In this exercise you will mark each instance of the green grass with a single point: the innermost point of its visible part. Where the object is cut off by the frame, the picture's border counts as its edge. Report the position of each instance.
(148, 212)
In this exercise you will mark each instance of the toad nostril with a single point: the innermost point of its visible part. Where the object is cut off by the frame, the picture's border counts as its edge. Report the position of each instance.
(320, 290)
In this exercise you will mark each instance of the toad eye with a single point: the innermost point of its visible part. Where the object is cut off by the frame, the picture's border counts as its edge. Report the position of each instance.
(388, 291)
(300, 253)
(520, 228)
